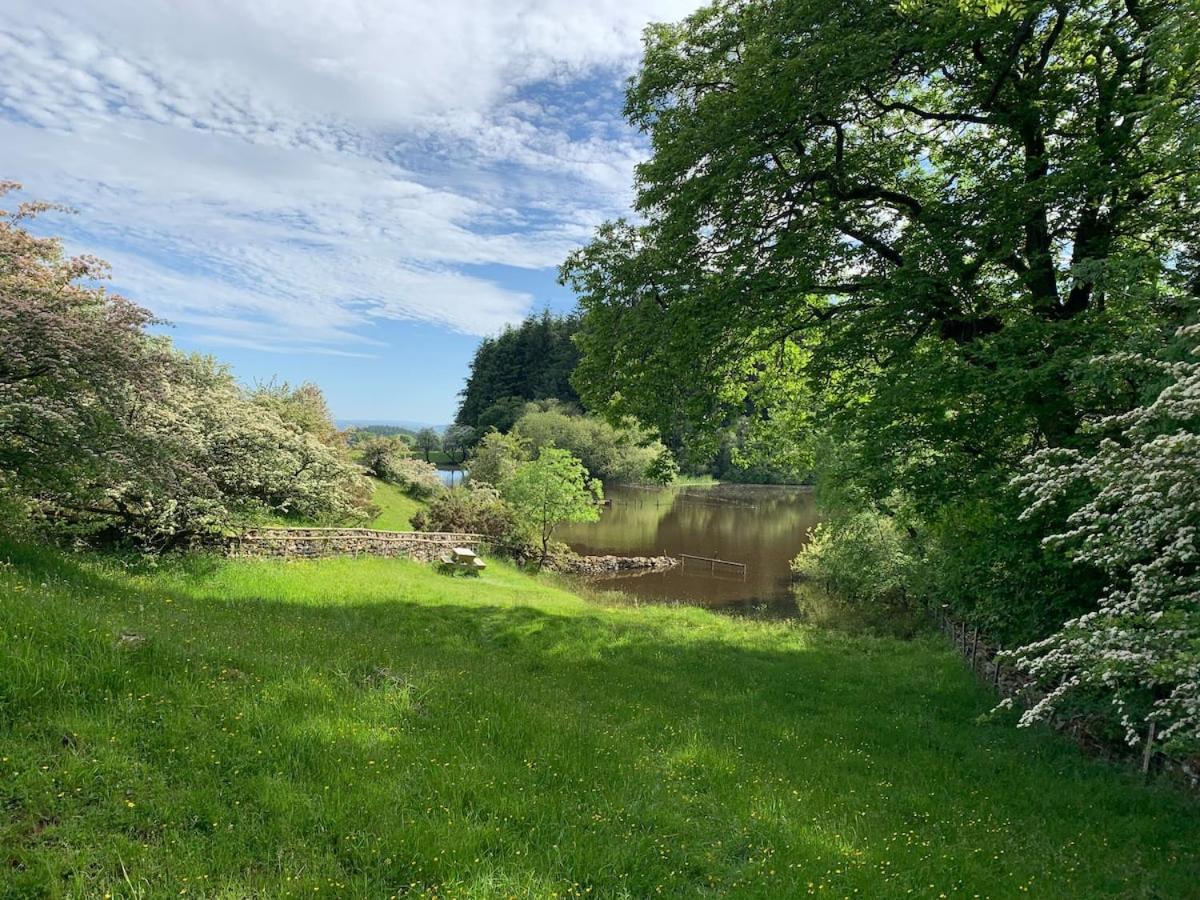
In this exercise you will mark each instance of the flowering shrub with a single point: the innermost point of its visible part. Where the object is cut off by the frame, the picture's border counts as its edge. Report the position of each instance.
(381, 455)
(415, 477)
(1139, 524)
(105, 428)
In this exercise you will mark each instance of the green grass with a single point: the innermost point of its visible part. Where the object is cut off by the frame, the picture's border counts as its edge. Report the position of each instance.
(694, 481)
(396, 508)
(369, 728)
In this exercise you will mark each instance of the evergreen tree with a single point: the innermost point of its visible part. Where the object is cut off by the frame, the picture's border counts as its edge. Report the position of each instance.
(533, 361)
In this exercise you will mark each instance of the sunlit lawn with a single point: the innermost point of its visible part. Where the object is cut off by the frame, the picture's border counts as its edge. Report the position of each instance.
(396, 508)
(369, 728)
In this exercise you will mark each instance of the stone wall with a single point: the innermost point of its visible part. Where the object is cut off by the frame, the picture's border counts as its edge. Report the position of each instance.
(315, 542)
(423, 546)
(611, 565)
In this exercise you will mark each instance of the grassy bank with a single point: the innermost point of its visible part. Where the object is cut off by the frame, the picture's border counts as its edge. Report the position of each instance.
(396, 508)
(368, 728)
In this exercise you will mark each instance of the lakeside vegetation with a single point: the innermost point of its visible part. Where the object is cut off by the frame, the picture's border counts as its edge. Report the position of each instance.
(367, 727)
(954, 280)
(523, 382)
(959, 275)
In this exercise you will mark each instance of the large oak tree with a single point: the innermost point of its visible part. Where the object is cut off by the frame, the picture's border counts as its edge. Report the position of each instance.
(932, 211)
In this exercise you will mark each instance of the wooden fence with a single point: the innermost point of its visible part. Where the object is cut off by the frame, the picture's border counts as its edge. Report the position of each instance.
(980, 654)
(715, 566)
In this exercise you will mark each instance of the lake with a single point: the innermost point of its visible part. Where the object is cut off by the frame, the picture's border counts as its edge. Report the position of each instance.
(451, 477)
(762, 526)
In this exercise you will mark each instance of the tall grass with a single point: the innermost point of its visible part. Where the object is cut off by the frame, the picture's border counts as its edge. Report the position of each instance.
(369, 728)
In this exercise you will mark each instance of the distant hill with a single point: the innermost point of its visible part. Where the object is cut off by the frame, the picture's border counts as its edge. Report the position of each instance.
(403, 424)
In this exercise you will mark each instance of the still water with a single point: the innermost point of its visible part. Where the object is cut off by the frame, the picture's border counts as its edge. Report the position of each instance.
(452, 477)
(763, 526)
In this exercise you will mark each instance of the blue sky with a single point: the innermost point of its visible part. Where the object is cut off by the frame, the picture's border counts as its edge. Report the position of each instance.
(351, 192)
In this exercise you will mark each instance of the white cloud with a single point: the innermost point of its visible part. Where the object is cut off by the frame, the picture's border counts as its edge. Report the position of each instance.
(281, 174)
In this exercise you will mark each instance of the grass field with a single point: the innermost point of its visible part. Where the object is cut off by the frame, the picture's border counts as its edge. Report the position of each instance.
(396, 508)
(369, 728)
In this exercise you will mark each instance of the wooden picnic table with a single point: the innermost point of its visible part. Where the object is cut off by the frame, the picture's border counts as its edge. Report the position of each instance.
(462, 559)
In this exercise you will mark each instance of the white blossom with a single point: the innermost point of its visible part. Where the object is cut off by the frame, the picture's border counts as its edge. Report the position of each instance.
(1140, 648)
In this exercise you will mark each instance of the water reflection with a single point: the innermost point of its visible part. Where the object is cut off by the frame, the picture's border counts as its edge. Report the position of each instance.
(762, 526)
(452, 477)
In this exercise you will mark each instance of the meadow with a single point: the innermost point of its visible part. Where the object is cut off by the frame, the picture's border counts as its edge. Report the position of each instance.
(363, 727)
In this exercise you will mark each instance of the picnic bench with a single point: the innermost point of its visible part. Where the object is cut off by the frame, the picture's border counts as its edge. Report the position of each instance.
(461, 559)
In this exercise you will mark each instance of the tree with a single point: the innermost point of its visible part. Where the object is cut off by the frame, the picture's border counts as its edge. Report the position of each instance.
(457, 442)
(67, 348)
(533, 361)
(496, 457)
(662, 469)
(502, 415)
(611, 453)
(944, 226)
(105, 429)
(917, 246)
(427, 440)
(302, 407)
(416, 477)
(549, 490)
(381, 456)
(1135, 515)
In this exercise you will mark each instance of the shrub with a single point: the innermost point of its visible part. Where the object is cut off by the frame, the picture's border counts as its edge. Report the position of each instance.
(496, 458)
(106, 429)
(1138, 523)
(472, 508)
(381, 456)
(861, 557)
(663, 469)
(416, 477)
(549, 490)
(609, 453)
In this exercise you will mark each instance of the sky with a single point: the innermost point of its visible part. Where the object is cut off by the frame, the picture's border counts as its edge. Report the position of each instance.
(350, 192)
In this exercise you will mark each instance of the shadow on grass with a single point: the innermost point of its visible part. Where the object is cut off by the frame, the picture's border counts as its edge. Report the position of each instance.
(497, 728)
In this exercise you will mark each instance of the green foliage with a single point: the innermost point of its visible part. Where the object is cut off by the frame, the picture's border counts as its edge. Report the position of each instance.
(663, 469)
(1134, 516)
(611, 453)
(357, 433)
(473, 509)
(416, 477)
(531, 362)
(502, 415)
(268, 728)
(861, 557)
(303, 408)
(381, 455)
(992, 569)
(496, 457)
(107, 430)
(549, 490)
(427, 440)
(903, 230)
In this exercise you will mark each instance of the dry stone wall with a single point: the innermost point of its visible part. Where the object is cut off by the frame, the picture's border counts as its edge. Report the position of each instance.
(611, 565)
(315, 542)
